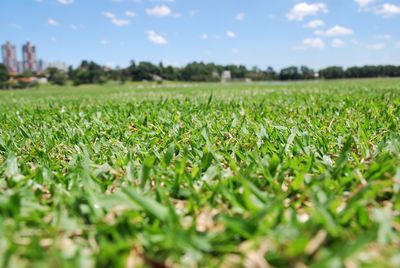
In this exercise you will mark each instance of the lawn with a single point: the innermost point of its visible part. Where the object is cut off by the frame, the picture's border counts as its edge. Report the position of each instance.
(201, 175)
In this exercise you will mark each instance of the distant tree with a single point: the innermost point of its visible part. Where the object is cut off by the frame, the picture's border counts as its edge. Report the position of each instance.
(199, 72)
(333, 72)
(237, 72)
(130, 72)
(391, 71)
(70, 73)
(290, 73)
(56, 76)
(89, 73)
(171, 73)
(353, 72)
(306, 72)
(59, 79)
(81, 76)
(142, 71)
(256, 74)
(145, 71)
(27, 73)
(3, 75)
(271, 74)
(373, 71)
(114, 74)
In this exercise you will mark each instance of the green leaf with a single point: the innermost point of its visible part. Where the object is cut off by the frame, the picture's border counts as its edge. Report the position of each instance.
(149, 205)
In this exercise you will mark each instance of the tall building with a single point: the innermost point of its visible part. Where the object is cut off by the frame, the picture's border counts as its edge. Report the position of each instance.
(41, 66)
(29, 57)
(9, 54)
(20, 67)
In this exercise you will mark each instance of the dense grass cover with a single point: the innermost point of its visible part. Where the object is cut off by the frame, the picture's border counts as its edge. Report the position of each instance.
(283, 175)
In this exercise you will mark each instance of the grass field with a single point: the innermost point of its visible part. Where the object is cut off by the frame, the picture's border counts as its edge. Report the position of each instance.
(201, 175)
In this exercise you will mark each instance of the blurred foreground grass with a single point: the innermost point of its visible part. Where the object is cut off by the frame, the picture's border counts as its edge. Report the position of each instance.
(201, 175)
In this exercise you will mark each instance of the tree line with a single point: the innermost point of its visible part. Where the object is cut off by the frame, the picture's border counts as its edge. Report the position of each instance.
(89, 72)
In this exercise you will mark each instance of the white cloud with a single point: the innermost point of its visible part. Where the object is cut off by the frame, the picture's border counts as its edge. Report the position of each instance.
(383, 36)
(120, 22)
(313, 43)
(314, 24)
(204, 36)
(105, 42)
(302, 10)
(337, 43)
(339, 30)
(336, 31)
(109, 15)
(156, 38)
(388, 10)
(65, 2)
(378, 46)
(159, 11)
(230, 34)
(364, 3)
(398, 45)
(52, 22)
(114, 20)
(240, 17)
(235, 50)
(130, 14)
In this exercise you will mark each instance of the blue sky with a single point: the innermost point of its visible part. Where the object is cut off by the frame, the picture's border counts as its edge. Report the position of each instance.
(265, 33)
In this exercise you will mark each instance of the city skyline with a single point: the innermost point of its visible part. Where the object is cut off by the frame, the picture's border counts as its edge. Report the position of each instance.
(28, 62)
(263, 33)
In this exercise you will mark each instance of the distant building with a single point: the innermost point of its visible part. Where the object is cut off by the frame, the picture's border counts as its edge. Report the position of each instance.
(226, 76)
(9, 54)
(41, 66)
(20, 67)
(29, 57)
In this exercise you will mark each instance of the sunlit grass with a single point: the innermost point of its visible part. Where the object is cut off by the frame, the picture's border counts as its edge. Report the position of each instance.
(201, 175)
